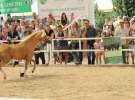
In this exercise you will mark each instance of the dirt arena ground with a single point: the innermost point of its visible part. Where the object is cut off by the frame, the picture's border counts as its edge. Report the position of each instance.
(70, 83)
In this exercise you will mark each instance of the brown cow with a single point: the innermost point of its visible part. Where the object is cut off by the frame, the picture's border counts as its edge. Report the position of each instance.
(21, 51)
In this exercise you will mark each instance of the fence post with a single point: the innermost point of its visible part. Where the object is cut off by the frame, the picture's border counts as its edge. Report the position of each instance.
(80, 46)
(53, 45)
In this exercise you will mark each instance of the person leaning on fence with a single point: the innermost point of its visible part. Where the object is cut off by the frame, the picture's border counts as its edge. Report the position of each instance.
(50, 34)
(99, 54)
(90, 33)
(40, 55)
(131, 43)
(61, 44)
(75, 33)
(120, 31)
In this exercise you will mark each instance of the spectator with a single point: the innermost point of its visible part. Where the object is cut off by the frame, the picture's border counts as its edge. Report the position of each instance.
(4, 34)
(51, 19)
(9, 19)
(23, 19)
(90, 33)
(62, 44)
(72, 17)
(27, 23)
(1, 36)
(64, 19)
(22, 25)
(128, 42)
(105, 26)
(99, 54)
(83, 42)
(50, 34)
(37, 27)
(33, 22)
(75, 33)
(40, 55)
(118, 19)
(44, 22)
(13, 34)
(1, 23)
(52, 22)
(110, 31)
(131, 43)
(35, 17)
(20, 33)
(120, 31)
(16, 21)
(28, 31)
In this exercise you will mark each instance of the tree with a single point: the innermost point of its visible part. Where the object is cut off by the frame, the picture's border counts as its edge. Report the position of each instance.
(124, 7)
(99, 15)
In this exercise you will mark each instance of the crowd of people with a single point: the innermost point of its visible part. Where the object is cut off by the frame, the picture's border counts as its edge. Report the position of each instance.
(122, 27)
(16, 29)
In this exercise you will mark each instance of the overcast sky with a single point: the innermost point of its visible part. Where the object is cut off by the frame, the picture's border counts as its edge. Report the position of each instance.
(104, 4)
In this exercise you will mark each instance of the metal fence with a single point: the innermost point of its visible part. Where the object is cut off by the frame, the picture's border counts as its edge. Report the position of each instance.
(53, 50)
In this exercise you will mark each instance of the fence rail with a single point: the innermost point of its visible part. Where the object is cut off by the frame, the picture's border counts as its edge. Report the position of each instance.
(86, 50)
(80, 49)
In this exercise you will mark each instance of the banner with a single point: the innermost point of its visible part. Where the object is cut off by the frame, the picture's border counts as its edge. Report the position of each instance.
(15, 6)
(113, 50)
(83, 8)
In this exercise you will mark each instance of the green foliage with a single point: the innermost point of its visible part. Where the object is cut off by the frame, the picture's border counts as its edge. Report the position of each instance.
(121, 8)
(100, 17)
(124, 7)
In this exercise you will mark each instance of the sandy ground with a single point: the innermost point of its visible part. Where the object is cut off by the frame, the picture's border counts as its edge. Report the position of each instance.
(70, 83)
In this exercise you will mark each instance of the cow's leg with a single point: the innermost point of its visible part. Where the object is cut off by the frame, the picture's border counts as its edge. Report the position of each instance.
(25, 70)
(4, 74)
(33, 70)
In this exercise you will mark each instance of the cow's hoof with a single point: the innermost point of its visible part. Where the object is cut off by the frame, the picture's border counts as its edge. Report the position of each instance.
(32, 71)
(21, 74)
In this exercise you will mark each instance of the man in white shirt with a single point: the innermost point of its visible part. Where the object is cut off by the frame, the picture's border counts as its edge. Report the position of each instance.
(120, 31)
